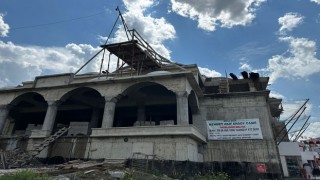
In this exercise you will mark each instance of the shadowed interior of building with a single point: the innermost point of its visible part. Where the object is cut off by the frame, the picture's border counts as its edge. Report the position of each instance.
(82, 105)
(29, 108)
(146, 104)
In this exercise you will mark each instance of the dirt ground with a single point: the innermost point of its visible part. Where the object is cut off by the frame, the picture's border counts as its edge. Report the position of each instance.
(79, 170)
(100, 174)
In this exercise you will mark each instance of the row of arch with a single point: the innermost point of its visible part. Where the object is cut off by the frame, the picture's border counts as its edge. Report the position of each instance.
(142, 104)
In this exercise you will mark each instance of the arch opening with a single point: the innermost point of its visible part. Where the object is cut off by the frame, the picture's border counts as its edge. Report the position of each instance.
(146, 104)
(27, 113)
(81, 109)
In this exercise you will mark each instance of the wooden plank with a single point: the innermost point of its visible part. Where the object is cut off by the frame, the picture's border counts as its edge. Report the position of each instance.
(131, 53)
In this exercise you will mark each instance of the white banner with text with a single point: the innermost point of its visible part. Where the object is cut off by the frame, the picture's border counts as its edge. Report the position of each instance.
(234, 129)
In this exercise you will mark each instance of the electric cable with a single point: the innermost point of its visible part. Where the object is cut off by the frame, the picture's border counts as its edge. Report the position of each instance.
(56, 22)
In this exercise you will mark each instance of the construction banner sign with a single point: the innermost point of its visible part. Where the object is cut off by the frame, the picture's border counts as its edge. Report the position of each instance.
(234, 129)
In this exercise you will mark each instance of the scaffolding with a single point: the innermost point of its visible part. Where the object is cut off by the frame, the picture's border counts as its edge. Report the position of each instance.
(136, 54)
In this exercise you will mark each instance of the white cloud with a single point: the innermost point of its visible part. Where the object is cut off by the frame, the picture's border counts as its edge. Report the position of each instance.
(21, 63)
(245, 66)
(154, 30)
(277, 95)
(289, 21)
(4, 82)
(212, 13)
(208, 72)
(4, 28)
(291, 107)
(299, 62)
(312, 131)
(316, 1)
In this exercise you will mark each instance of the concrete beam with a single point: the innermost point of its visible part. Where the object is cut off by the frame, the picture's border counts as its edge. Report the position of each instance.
(147, 131)
(89, 101)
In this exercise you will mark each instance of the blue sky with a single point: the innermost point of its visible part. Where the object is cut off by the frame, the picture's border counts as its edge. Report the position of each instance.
(277, 38)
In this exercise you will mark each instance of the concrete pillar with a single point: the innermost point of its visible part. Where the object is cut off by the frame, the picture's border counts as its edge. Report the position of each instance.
(252, 87)
(141, 116)
(108, 113)
(182, 108)
(94, 118)
(50, 117)
(4, 112)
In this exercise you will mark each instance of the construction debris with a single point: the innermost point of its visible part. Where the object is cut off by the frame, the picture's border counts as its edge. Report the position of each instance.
(90, 171)
(93, 170)
(79, 164)
(117, 174)
(18, 158)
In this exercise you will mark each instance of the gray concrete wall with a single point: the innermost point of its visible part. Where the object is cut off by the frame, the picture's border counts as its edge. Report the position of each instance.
(110, 88)
(8, 144)
(233, 107)
(178, 148)
(70, 147)
(53, 80)
(261, 151)
(34, 142)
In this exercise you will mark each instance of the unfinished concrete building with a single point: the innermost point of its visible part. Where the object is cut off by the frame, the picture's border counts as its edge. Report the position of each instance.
(147, 105)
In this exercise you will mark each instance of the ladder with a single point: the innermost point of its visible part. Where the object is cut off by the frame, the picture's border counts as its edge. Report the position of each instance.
(24, 158)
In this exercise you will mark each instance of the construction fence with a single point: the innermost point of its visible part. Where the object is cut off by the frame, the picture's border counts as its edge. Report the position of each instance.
(188, 169)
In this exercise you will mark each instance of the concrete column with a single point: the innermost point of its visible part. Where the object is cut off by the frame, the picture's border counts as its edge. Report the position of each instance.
(50, 117)
(141, 116)
(4, 112)
(108, 113)
(252, 87)
(182, 108)
(94, 118)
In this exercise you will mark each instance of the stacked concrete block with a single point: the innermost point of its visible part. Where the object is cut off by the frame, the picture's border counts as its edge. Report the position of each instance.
(31, 127)
(149, 123)
(144, 123)
(19, 132)
(165, 123)
(137, 123)
(78, 128)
